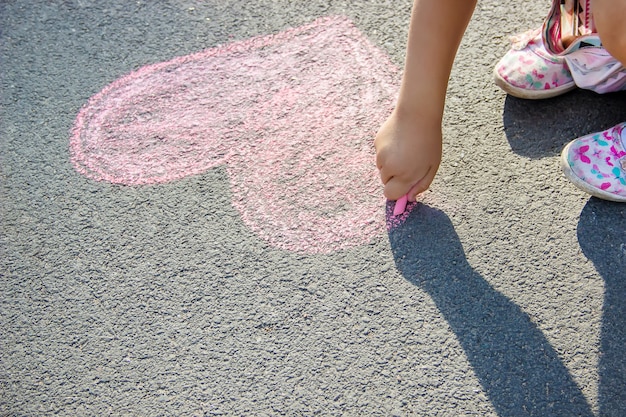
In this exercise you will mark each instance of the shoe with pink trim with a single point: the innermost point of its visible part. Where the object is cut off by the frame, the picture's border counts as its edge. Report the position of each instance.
(569, 31)
(596, 163)
(529, 71)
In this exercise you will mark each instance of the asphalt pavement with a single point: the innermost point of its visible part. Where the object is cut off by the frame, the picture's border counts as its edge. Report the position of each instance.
(190, 286)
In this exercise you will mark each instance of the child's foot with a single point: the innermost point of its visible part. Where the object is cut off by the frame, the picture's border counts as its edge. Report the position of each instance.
(529, 71)
(596, 163)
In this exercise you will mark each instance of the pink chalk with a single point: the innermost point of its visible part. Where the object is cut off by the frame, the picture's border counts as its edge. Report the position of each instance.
(400, 206)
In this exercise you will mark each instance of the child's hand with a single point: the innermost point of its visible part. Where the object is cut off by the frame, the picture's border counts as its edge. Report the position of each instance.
(408, 154)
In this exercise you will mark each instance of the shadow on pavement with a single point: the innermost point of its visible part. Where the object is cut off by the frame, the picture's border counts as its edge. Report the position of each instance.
(602, 238)
(540, 128)
(515, 364)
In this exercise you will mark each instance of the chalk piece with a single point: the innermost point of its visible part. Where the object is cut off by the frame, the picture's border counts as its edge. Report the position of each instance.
(400, 205)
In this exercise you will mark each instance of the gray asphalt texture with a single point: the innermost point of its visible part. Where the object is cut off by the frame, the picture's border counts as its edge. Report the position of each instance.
(502, 295)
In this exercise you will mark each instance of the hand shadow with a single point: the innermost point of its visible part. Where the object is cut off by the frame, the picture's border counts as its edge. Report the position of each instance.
(515, 364)
(539, 128)
(602, 238)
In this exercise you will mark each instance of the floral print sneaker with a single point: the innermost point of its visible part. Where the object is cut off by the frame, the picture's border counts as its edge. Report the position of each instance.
(596, 163)
(529, 71)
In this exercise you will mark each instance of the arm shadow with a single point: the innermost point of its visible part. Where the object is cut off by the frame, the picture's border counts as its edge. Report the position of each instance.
(515, 364)
(540, 128)
(602, 238)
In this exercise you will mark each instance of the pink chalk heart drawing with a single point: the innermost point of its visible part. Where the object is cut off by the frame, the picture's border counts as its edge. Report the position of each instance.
(292, 116)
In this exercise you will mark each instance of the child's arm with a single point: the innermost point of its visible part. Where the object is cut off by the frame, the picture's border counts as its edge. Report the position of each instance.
(408, 145)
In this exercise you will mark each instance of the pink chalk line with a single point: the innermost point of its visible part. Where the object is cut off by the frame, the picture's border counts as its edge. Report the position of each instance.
(292, 116)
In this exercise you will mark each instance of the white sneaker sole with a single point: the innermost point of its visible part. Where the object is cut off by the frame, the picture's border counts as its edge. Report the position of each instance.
(531, 94)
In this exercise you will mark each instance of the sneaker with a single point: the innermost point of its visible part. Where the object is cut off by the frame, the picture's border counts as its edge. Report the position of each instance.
(569, 32)
(529, 71)
(596, 163)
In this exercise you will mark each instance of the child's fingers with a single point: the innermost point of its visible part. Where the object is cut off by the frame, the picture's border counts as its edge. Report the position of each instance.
(385, 175)
(414, 191)
(394, 189)
(422, 185)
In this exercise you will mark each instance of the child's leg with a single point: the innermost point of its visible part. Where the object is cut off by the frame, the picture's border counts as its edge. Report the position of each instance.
(610, 20)
(408, 145)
